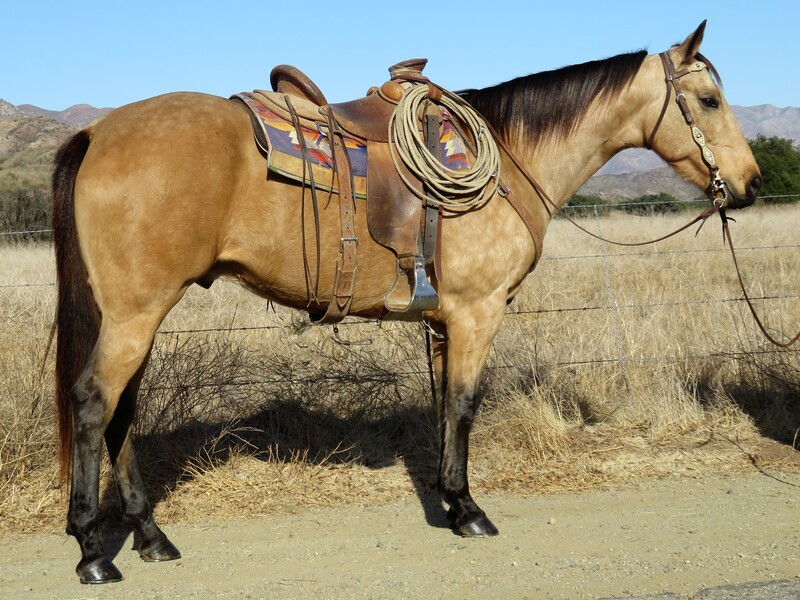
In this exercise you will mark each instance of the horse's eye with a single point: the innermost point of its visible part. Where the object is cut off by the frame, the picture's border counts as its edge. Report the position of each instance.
(710, 102)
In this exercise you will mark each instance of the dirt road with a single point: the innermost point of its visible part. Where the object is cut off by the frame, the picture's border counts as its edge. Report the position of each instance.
(678, 536)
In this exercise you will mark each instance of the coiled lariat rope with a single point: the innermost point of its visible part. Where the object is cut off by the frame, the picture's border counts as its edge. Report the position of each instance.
(455, 191)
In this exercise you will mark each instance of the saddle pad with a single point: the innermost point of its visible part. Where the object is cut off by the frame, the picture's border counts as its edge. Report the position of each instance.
(279, 141)
(278, 138)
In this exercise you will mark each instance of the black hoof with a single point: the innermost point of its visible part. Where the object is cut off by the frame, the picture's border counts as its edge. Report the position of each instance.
(99, 570)
(158, 550)
(480, 526)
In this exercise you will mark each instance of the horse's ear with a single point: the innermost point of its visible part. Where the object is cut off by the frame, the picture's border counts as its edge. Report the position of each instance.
(691, 46)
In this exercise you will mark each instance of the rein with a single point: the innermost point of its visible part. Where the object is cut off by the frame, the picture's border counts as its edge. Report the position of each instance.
(727, 233)
(551, 207)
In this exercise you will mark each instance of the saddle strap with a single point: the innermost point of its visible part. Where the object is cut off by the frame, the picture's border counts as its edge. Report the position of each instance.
(432, 222)
(527, 218)
(344, 283)
(312, 286)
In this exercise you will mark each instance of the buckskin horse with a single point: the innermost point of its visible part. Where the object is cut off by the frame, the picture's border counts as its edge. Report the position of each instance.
(168, 192)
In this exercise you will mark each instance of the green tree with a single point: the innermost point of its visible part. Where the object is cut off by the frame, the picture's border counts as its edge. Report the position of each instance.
(24, 210)
(652, 204)
(779, 162)
(584, 206)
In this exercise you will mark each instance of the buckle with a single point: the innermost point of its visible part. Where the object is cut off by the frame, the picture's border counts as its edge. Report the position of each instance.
(346, 239)
(718, 186)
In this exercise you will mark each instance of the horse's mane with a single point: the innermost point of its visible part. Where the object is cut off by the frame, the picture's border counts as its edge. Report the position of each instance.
(551, 103)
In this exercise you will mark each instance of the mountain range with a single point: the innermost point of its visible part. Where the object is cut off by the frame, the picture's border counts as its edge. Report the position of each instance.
(29, 136)
(76, 116)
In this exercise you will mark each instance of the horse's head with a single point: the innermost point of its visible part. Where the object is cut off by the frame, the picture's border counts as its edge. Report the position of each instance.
(698, 135)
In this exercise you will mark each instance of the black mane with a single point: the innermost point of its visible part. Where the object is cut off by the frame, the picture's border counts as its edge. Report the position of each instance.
(553, 102)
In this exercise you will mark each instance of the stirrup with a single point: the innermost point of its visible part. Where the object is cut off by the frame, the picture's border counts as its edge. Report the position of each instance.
(415, 295)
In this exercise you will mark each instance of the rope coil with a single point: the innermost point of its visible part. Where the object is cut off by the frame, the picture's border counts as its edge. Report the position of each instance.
(455, 191)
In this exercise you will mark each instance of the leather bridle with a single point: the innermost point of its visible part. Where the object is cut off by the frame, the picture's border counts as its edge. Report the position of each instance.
(717, 188)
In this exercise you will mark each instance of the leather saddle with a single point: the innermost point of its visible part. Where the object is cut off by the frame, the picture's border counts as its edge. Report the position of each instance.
(396, 216)
(366, 118)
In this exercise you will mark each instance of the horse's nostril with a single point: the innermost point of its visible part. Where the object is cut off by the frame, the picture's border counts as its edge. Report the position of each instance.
(754, 186)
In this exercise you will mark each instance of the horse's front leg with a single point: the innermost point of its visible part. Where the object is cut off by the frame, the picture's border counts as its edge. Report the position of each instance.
(464, 353)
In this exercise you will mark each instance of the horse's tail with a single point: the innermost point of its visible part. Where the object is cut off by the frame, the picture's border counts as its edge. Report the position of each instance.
(77, 317)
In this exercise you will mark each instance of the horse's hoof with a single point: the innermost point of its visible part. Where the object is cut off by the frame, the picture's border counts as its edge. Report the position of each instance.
(98, 570)
(480, 526)
(158, 550)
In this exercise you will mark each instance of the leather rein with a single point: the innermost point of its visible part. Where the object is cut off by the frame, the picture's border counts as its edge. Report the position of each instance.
(717, 189)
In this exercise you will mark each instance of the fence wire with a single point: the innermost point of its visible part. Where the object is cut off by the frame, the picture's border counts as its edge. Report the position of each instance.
(622, 358)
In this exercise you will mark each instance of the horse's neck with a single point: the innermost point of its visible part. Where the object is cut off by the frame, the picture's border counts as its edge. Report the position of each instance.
(564, 164)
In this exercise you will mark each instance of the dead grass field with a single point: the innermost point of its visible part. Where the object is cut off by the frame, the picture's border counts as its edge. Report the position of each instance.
(618, 364)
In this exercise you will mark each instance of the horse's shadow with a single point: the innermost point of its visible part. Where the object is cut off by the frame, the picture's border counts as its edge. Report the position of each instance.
(274, 434)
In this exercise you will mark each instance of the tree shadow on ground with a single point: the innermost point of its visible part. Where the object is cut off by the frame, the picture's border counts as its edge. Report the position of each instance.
(768, 391)
(774, 409)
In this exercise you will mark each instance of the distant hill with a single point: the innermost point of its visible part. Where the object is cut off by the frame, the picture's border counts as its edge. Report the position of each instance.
(27, 148)
(29, 137)
(625, 186)
(9, 111)
(77, 116)
(769, 120)
(765, 120)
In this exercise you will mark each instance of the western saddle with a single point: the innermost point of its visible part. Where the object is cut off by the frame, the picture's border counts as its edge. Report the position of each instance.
(396, 217)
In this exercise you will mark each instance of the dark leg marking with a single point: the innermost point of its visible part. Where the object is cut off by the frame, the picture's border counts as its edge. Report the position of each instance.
(83, 515)
(154, 546)
(464, 515)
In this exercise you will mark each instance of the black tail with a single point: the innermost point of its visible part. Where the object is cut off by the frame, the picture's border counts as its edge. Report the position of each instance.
(77, 316)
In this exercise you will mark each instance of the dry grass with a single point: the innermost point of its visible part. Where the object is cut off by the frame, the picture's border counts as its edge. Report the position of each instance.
(263, 414)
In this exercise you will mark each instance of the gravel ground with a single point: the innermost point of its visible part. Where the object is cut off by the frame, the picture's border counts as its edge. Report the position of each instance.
(667, 539)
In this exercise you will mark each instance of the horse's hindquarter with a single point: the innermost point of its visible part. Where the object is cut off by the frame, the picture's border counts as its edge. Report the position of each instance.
(153, 193)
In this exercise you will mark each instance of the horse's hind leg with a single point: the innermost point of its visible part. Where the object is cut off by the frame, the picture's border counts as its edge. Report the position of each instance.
(117, 357)
(137, 513)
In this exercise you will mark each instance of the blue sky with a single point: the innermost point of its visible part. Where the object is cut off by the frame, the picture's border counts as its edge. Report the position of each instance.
(56, 54)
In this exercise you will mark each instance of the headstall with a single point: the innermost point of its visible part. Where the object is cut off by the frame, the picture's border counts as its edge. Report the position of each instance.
(717, 188)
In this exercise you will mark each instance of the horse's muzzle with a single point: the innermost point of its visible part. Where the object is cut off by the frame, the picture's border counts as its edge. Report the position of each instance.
(751, 193)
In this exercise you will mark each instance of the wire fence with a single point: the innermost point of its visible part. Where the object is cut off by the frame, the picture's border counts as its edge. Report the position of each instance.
(612, 306)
